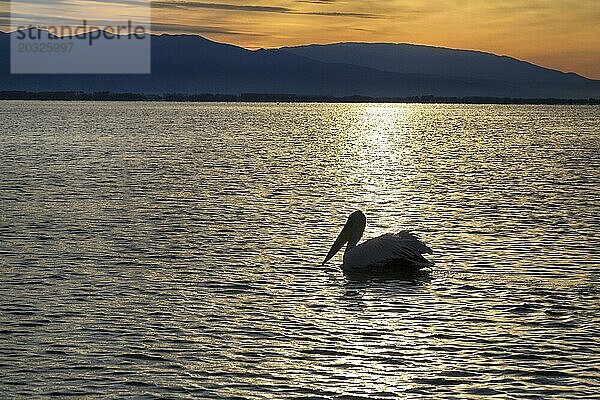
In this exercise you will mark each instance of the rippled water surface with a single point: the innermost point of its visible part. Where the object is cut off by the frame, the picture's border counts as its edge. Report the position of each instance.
(174, 250)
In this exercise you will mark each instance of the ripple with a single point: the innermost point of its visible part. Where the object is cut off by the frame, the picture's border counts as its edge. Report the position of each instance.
(174, 250)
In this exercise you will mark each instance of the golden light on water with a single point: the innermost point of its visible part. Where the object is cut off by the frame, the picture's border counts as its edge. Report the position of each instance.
(188, 261)
(382, 143)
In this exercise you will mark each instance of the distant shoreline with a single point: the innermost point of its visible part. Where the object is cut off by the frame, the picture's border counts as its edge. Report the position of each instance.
(281, 98)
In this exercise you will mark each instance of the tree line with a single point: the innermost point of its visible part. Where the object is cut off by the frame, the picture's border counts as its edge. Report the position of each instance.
(279, 98)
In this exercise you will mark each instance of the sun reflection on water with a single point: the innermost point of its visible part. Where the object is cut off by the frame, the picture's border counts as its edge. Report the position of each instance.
(184, 258)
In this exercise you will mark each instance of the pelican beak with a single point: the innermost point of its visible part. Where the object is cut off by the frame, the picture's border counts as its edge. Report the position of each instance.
(341, 240)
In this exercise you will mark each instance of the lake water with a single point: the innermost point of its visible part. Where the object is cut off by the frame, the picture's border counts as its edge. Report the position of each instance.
(174, 250)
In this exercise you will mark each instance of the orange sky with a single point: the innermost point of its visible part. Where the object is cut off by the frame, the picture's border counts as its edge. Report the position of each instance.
(561, 34)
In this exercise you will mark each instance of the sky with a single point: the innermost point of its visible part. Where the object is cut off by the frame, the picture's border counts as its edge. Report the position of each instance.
(560, 34)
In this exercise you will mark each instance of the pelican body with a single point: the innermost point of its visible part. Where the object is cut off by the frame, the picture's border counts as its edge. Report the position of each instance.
(398, 251)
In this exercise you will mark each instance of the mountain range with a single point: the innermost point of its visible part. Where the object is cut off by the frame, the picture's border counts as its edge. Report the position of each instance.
(192, 64)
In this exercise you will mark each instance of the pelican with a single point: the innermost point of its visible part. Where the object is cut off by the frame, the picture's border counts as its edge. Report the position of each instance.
(401, 252)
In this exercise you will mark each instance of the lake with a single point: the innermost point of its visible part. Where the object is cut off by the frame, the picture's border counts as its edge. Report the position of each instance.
(174, 250)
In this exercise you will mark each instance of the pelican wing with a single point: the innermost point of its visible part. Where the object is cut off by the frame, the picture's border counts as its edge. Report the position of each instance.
(403, 247)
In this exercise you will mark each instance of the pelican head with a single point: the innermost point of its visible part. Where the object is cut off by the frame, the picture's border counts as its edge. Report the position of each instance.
(351, 234)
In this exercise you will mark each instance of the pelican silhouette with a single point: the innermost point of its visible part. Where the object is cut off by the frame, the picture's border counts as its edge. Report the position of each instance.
(401, 251)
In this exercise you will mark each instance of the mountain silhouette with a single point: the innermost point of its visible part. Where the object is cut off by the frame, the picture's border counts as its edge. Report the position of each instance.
(193, 64)
(416, 59)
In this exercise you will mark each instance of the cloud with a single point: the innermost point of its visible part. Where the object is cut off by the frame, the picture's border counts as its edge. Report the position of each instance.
(259, 8)
(339, 14)
(317, 1)
(219, 6)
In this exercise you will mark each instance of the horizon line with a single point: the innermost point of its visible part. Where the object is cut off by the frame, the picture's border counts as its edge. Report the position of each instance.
(151, 33)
